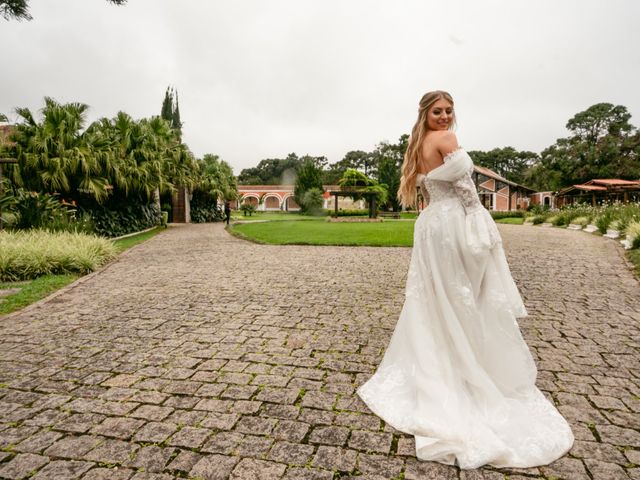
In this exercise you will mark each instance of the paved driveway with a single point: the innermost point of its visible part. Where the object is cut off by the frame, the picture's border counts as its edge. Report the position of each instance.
(200, 355)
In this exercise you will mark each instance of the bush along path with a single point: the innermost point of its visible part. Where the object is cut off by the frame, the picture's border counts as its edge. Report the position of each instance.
(199, 355)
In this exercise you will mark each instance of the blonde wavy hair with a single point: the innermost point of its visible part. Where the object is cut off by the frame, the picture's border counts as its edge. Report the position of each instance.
(407, 191)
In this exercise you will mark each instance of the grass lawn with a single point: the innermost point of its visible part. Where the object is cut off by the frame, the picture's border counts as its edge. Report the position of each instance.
(239, 216)
(389, 233)
(126, 243)
(33, 290)
(511, 220)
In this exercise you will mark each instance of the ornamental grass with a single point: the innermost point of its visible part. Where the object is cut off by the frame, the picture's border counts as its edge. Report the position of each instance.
(633, 233)
(25, 255)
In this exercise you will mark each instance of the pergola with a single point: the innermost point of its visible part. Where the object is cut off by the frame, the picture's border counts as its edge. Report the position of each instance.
(600, 189)
(354, 192)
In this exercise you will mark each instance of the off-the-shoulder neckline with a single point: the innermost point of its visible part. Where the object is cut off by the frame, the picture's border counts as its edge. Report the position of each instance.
(444, 160)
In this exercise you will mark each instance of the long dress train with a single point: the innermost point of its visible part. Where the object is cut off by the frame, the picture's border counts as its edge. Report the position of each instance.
(457, 373)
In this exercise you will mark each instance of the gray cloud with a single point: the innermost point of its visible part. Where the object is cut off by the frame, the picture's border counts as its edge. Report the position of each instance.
(260, 79)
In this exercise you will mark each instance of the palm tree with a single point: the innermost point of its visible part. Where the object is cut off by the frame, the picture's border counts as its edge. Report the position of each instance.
(54, 155)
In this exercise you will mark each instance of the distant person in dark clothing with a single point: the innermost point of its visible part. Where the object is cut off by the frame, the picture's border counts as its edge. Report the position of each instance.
(227, 212)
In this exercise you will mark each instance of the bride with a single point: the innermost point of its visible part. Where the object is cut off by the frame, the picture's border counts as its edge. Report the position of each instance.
(457, 373)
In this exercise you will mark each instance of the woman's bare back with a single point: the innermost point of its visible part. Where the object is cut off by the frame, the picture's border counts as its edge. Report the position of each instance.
(435, 146)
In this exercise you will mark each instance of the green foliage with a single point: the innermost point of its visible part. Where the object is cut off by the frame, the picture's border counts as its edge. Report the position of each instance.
(19, 9)
(539, 218)
(117, 157)
(511, 220)
(583, 221)
(354, 212)
(170, 111)
(506, 162)
(602, 144)
(309, 177)
(271, 171)
(29, 254)
(7, 204)
(247, 208)
(15, 9)
(128, 242)
(312, 201)
(633, 231)
(115, 219)
(215, 177)
(38, 210)
(204, 208)
(359, 183)
(512, 214)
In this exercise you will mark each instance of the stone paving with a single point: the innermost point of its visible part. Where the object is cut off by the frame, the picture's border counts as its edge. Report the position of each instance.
(198, 355)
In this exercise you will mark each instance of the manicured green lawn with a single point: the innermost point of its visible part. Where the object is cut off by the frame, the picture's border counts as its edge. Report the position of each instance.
(33, 290)
(511, 220)
(125, 243)
(268, 216)
(389, 233)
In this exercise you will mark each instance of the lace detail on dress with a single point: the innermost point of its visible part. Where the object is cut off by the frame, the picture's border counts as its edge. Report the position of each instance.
(467, 192)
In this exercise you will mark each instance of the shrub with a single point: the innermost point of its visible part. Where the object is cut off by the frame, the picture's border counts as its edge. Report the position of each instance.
(312, 201)
(204, 208)
(248, 208)
(603, 220)
(7, 217)
(354, 212)
(511, 214)
(616, 224)
(538, 219)
(633, 233)
(114, 220)
(25, 255)
(39, 210)
(583, 221)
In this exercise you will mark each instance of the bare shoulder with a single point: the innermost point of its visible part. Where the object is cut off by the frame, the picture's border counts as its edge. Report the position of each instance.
(446, 142)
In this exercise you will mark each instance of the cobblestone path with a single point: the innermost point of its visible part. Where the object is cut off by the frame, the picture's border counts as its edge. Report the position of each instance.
(197, 355)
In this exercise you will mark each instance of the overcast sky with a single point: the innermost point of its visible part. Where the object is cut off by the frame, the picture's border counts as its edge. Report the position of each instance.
(262, 78)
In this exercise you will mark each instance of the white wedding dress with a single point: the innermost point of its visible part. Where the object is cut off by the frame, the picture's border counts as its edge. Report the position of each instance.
(457, 373)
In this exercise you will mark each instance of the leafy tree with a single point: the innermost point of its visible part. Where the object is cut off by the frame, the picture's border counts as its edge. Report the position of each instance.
(19, 9)
(602, 144)
(53, 155)
(271, 171)
(309, 176)
(354, 159)
(359, 182)
(388, 158)
(506, 162)
(216, 177)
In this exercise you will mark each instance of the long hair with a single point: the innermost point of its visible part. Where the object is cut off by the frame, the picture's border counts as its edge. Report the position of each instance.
(407, 191)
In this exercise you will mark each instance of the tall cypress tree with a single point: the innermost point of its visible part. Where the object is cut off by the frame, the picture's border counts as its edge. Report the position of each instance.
(171, 110)
(167, 106)
(175, 118)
